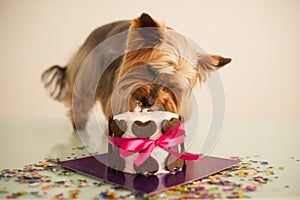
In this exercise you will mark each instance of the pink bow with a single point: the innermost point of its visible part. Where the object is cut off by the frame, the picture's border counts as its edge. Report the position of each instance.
(145, 146)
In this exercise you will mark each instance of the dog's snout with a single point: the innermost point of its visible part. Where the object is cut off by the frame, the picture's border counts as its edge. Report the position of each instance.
(156, 107)
(147, 102)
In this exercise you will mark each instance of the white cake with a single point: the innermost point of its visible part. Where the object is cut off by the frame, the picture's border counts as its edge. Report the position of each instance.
(150, 125)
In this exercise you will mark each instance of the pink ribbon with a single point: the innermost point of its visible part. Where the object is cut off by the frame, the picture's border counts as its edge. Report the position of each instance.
(145, 146)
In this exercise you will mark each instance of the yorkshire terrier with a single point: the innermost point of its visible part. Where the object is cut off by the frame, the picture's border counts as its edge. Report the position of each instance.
(157, 71)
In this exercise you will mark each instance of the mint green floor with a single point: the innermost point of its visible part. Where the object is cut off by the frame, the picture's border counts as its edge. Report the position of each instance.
(274, 140)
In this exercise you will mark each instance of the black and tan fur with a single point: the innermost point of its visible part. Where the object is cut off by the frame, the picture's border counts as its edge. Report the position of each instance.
(171, 70)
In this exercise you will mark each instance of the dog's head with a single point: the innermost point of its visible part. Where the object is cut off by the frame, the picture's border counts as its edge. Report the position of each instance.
(160, 68)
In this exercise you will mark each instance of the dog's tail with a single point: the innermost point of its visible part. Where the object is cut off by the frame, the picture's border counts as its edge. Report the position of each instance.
(55, 81)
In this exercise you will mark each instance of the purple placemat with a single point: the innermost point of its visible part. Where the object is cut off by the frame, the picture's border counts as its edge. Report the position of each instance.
(96, 167)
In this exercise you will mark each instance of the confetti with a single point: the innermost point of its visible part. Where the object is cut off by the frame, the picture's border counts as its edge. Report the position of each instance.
(251, 188)
(239, 181)
(108, 194)
(81, 147)
(46, 187)
(264, 163)
(60, 195)
(34, 184)
(73, 194)
(16, 195)
(260, 179)
(225, 184)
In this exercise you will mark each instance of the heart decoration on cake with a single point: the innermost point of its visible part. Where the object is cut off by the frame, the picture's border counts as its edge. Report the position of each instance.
(144, 129)
(150, 142)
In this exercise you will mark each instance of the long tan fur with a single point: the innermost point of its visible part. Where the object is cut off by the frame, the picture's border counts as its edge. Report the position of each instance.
(157, 72)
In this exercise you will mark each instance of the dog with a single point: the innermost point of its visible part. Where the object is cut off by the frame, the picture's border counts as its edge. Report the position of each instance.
(157, 71)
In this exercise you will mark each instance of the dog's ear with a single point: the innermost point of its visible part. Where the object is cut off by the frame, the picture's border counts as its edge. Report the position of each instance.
(219, 61)
(208, 63)
(144, 20)
(146, 27)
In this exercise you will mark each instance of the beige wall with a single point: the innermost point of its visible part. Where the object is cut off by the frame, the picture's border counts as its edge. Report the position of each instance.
(262, 37)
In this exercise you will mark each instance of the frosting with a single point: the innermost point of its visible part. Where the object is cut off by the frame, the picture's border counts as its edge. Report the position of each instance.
(155, 116)
(142, 125)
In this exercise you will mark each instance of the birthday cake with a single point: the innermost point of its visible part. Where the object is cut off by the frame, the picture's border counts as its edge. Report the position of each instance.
(146, 142)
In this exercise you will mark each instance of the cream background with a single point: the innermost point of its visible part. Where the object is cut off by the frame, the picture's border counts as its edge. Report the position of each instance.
(261, 84)
(262, 37)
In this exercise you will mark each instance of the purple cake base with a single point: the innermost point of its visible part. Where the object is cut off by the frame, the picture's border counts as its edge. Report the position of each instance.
(96, 167)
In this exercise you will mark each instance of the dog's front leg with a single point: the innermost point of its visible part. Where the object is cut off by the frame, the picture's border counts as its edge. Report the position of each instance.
(79, 112)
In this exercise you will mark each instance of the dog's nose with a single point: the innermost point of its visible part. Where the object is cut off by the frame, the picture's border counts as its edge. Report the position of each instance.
(147, 102)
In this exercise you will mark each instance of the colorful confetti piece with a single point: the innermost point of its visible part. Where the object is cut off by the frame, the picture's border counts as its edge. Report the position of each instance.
(239, 181)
